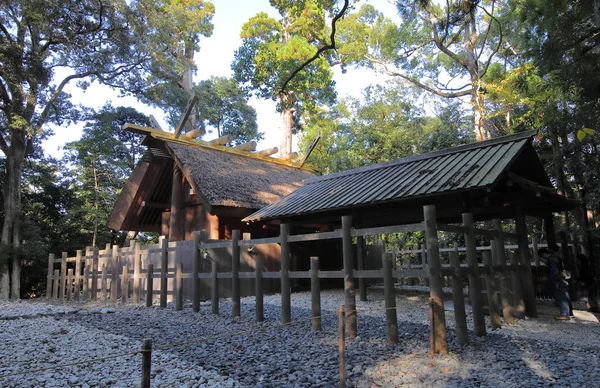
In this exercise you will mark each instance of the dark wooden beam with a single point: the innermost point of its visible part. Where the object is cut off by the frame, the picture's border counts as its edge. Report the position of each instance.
(186, 114)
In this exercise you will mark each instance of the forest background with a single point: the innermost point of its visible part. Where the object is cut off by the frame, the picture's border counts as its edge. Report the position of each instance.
(455, 72)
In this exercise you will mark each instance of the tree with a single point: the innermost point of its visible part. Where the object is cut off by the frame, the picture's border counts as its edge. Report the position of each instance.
(443, 49)
(45, 45)
(100, 163)
(273, 49)
(383, 125)
(222, 107)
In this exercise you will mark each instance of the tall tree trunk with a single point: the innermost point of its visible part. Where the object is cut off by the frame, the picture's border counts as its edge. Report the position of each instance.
(287, 101)
(11, 234)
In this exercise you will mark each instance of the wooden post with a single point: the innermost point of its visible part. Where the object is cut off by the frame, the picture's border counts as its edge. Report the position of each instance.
(69, 283)
(315, 291)
(349, 292)
(517, 285)
(103, 281)
(491, 292)
(56, 283)
(195, 271)
(524, 259)
(235, 273)
(114, 279)
(137, 269)
(78, 274)
(63, 275)
(146, 362)
(360, 251)
(175, 222)
(125, 284)
(258, 288)
(342, 345)
(149, 285)
(474, 276)
(164, 263)
(391, 317)
(435, 280)
(179, 287)
(424, 263)
(499, 259)
(94, 273)
(536, 257)
(460, 316)
(215, 286)
(286, 302)
(49, 276)
(86, 278)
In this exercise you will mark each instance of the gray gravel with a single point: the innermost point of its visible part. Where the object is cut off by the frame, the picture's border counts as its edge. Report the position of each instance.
(220, 352)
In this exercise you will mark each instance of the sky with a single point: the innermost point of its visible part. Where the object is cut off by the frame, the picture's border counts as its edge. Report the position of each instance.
(214, 59)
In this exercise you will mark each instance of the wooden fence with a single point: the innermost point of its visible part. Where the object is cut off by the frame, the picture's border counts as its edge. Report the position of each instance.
(140, 273)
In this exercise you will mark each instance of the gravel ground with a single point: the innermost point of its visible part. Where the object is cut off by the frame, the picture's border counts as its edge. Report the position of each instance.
(216, 351)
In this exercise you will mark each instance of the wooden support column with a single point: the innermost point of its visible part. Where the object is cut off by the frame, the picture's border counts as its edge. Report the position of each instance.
(86, 278)
(391, 316)
(137, 269)
(179, 287)
(499, 259)
(195, 270)
(149, 285)
(492, 297)
(286, 307)
(214, 295)
(69, 283)
(94, 273)
(114, 282)
(258, 288)
(360, 252)
(56, 283)
(524, 259)
(315, 291)
(235, 273)
(474, 276)
(176, 220)
(164, 263)
(349, 292)
(460, 316)
(125, 284)
(63, 275)
(49, 277)
(78, 259)
(103, 281)
(438, 329)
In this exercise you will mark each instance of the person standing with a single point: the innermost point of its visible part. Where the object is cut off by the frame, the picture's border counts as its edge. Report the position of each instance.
(557, 276)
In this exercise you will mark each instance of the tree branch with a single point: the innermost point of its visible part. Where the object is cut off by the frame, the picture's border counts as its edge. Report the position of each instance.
(330, 46)
(416, 82)
(495, 51)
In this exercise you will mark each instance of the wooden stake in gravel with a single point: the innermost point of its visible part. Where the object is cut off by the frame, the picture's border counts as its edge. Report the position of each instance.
(146, 362)
(315, 290)
(458, 299)
(391, 316)
(149, 285)
(342, 345)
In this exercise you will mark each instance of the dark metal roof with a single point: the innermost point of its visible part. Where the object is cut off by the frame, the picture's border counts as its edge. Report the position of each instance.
(477, 165)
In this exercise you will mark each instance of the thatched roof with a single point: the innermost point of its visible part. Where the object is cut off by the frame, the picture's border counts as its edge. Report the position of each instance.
(226, 179)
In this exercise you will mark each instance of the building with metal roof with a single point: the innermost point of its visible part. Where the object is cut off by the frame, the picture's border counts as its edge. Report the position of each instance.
(488, 179)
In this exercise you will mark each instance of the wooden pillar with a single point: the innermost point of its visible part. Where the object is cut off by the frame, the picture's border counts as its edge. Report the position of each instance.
(164, 263)
(499, 259)
(536, 257)
(438, 328)
(114, 279)
(235, 273)
(69, 283)
(315, 291)
(103, 283)
(56, 283)
(49, 276)
(349, 292)
(175, 223)
(490, 280)
(360, 252)
(195, 271)
(149, 285)
(460, 315)
(391, 317)
(94, 273)
(63, 275)
(78, 274)
(258, 288)
(137, 269)
(214, 286)
(525, 260)
(286, 303)
(86, 278)
(179, 287)
(424, 263)
(474, 276)
(125, 284)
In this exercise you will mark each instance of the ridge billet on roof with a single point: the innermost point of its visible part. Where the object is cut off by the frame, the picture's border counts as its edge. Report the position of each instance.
(434, 154)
